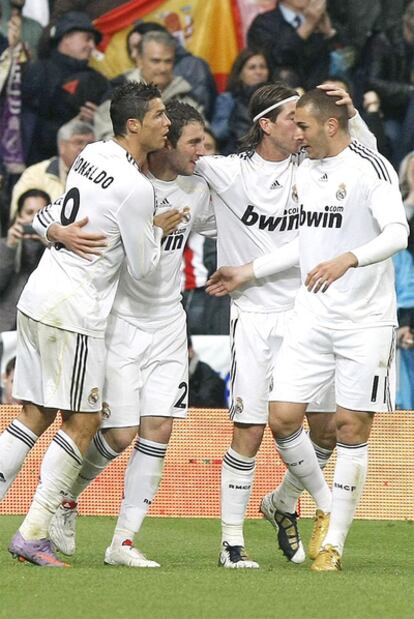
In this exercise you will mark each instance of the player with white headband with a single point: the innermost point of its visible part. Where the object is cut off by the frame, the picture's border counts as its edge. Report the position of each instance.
(254, 201)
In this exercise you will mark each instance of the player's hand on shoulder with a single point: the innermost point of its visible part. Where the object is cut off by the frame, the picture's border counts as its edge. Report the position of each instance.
(226, 279)
(75, 239)
(325, 273)
(169, 220)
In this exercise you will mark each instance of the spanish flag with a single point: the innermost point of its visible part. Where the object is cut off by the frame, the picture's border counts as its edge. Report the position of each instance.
(207, 28)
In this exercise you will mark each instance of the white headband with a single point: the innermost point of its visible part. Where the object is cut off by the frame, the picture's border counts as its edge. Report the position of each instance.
(272, 107)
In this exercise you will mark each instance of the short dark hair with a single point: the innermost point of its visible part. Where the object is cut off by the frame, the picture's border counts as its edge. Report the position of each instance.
(324, 106)
(264, 97)
(180, 115)
(131, 100)
(32, 193)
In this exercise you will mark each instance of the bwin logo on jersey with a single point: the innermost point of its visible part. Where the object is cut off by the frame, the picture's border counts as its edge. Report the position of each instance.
(289, 220)
(275, 185)
(328, 218)
(173, 241)
(341, 193)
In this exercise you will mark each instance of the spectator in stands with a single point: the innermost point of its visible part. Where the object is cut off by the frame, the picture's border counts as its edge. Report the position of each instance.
(210, 142)
(206, 388)
(406, 175)
(20, 253)
(231, 115)
(193, 69)
(404, 285)
(31, 29)
(8, 378)
(155, 63)
(62, 86)
(297, 34)
(50, 175)
(388, 65)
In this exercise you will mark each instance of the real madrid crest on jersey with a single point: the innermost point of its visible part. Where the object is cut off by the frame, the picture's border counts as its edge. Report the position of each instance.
(295, 197)
(341, 193)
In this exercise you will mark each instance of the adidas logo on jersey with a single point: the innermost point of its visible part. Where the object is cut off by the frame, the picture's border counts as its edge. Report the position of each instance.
(324, 177)
(275, 185)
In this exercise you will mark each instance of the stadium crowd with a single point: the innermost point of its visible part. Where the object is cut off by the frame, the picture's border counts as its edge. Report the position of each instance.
(53, 104)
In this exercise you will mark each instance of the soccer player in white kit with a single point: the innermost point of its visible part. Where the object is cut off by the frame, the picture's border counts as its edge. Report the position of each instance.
(146, 385)
(64, 307)
(352, 221)
(256, 212)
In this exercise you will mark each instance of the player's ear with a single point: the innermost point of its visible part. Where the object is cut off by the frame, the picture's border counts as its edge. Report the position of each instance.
(265, 125)
(134, 125)
(332, 126)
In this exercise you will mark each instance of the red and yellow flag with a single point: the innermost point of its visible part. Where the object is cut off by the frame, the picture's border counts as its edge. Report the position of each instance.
(209, 29)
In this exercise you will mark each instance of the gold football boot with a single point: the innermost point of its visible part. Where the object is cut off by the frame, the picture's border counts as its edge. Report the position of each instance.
(320, 528)
(328, 560)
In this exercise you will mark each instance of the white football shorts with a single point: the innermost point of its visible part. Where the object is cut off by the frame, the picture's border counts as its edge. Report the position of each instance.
(256, 340)
(361, 361)
(57, 368)
(146, 372)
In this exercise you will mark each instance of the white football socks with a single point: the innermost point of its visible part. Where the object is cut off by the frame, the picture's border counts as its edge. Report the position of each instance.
(349, 480)
(286, 496)
(299, 456)
(60, 467)
(142, 479)
(237, 474)
(15, 443)
(96, 459)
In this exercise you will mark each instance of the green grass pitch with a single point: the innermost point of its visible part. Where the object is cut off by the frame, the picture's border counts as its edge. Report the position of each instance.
(377, 581)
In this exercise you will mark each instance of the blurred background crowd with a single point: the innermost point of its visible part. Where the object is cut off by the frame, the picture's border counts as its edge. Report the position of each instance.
(61, 59)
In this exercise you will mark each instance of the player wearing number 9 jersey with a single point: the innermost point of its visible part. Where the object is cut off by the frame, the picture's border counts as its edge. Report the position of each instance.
(63, 309)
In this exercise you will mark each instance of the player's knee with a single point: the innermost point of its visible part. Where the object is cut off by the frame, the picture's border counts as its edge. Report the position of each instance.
(120, 438)
(323, 432)
(247, 439)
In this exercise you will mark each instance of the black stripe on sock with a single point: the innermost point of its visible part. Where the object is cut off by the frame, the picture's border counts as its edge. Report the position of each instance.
(21, 435)
(63, 443)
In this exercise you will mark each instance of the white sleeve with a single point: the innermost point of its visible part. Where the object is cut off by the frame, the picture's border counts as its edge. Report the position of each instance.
(392, 239)
(359, 131)
(205, 221)
(47, 216)
(141, 240)
(279, 260)
(217, 170)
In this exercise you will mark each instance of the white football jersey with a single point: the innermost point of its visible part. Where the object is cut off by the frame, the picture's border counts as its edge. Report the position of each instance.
(72, 293)
(156, 298)
(345, 202)
(256, 214)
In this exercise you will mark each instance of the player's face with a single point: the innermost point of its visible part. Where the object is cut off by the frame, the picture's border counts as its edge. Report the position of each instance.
(189, 149)
(311, 133)
(156, 64)
(282, 132)
(154, 127)
(255, 71)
